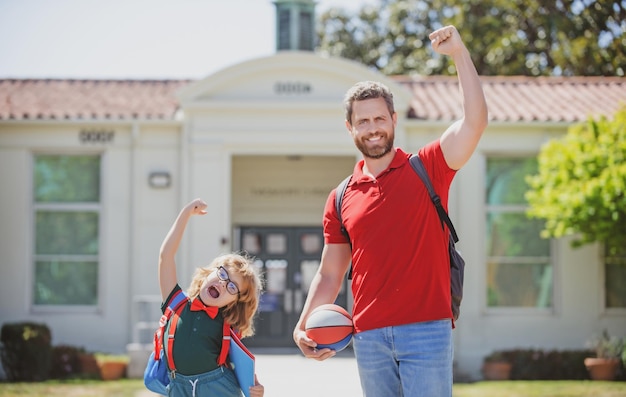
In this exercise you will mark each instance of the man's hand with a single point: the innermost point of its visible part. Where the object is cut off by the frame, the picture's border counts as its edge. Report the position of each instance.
(446, 41)
(308, 347)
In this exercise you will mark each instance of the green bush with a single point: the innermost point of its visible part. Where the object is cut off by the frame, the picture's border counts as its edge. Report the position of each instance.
(580, 184)
(65, 362)
(26, 351)
(533, 364)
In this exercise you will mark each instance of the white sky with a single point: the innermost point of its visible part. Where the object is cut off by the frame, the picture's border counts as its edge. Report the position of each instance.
(144, 39)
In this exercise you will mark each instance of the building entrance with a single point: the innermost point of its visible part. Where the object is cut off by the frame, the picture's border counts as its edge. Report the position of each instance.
(288, 258)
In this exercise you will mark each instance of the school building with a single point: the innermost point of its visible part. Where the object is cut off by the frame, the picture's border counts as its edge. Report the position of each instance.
(93, 173)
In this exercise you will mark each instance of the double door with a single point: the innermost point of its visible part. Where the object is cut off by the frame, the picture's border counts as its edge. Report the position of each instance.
(288, 258)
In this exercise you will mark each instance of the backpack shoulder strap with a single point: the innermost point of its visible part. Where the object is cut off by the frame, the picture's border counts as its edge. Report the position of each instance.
(419, 168)
(170, 339)
(339, 192)
(226, 331)
(177, 300)
(174, 308)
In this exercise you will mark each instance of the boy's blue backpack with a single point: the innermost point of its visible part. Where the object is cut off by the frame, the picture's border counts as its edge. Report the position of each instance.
(156, 375)
(457, 263)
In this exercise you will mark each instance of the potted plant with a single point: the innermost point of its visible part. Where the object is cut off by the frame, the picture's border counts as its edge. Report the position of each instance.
(608, 356)
(496, 367)
(112, 367)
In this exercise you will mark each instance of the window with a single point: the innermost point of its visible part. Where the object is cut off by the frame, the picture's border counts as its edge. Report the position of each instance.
(66, 222)
(284, 29)
(519, 270)
(306, 31)
(615, 277)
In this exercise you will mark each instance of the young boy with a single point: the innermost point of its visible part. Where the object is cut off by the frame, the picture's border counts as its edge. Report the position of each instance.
(225, 291)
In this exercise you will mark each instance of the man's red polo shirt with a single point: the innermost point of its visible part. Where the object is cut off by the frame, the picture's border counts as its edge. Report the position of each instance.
(401, 271)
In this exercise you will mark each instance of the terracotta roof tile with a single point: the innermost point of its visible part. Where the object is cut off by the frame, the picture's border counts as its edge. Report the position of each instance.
(519, 98)
(509, 98)
(88, 99)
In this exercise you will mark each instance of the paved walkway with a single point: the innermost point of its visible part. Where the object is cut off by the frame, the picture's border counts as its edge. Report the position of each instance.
(288, 373)
(293, 375)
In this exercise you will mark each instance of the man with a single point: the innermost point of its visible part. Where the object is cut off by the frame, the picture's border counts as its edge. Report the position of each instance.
(401, 280)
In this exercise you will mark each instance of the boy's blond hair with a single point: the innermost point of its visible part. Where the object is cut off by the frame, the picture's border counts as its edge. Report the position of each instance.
(239, 314)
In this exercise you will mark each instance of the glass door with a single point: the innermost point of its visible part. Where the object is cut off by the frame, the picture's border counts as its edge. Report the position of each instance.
(288, 258)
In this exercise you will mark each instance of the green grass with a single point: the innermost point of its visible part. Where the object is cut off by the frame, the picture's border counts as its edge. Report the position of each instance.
(75, 388)
(135, 388)
(541, 389)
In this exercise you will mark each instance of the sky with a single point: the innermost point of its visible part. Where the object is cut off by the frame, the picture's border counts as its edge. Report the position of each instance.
(136, 39)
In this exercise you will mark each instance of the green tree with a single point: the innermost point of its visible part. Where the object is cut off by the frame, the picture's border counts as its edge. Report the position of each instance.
(580, 187)
(391, 37)
(538, 37)
(504, 37)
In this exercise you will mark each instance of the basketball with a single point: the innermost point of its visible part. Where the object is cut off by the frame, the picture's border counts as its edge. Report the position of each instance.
(330, 326)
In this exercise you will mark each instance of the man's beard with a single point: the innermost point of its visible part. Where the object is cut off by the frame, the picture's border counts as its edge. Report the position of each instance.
(375, 152)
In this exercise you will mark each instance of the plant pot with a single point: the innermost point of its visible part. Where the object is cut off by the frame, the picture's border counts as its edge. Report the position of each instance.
(112, 370)
(498, 370)
(602, 368)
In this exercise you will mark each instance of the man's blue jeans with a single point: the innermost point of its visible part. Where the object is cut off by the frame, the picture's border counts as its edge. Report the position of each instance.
(410, 360)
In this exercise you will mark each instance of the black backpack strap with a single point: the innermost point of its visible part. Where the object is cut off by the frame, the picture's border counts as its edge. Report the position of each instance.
(339, 192)
(419, 168)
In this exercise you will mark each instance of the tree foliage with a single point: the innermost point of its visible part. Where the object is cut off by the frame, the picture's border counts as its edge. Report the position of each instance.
(393, 39)
(504, 37)
(580, 187)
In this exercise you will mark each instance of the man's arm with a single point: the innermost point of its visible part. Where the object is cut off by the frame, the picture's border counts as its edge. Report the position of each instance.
(324, 289)
(459, 141)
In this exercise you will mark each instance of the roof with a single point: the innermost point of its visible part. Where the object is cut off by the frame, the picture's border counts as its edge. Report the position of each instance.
(50, 99)
(435, 98)
(519, 98)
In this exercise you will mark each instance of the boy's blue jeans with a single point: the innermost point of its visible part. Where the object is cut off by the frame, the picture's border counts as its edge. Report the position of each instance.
(410, 360)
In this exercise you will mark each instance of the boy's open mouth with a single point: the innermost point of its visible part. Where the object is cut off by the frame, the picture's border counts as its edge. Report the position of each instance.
(214, 292)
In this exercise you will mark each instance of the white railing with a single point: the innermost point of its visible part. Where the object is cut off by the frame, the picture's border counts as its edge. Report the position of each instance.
(145, 317)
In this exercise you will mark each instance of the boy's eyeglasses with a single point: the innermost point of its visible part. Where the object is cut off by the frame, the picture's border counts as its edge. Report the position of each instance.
(231, 287)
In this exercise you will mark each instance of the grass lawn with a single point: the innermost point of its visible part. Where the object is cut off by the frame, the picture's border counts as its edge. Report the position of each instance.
(135, 388)
(76, 388)
(521, 388)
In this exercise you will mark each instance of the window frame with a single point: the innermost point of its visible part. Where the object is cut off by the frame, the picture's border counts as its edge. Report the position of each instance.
(610, 311)
(96, 207)
(551, 259)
